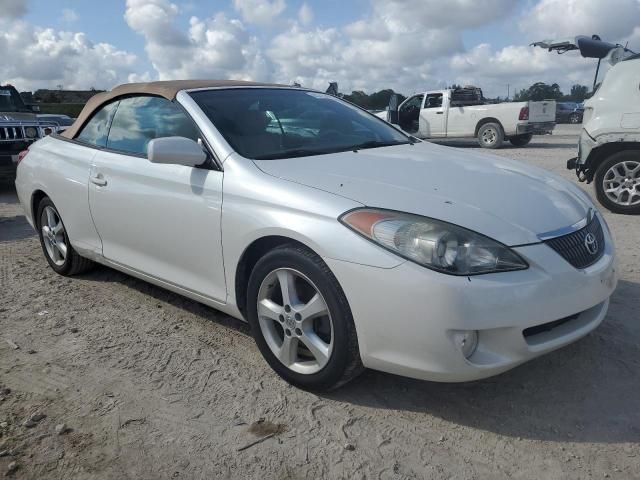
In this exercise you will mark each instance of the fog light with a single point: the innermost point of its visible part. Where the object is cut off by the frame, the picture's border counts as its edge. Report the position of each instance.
(466, 341)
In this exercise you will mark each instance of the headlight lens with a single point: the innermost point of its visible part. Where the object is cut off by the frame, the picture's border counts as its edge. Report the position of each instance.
(31, 132)
(433, 243)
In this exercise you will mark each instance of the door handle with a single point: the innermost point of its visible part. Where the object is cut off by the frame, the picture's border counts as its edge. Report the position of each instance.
(439, 113)
(98, 180)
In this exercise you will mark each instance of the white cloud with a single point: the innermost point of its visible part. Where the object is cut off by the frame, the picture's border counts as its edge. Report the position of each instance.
(260, 12)
(48, 58)
(426, 14)
(613, 20)
(13, 9)
(305, 14)
(69, 15)
(518, 66)
(216, 47)
(408, 45)
(398, 44)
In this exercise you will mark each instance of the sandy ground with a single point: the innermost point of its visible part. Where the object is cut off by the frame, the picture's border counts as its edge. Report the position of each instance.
(150, 385)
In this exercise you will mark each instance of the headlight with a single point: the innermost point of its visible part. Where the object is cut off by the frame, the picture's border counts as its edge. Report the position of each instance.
(31, 132)
(433, 243)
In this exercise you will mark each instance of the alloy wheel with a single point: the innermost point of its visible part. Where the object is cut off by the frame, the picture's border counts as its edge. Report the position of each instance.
(53, 235)
(295, 321)
(621, 183)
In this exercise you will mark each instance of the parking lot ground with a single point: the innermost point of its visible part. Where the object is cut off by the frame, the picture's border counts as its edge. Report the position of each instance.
(150, 385)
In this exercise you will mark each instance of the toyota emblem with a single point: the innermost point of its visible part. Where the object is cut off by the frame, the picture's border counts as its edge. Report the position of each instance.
(591, 243)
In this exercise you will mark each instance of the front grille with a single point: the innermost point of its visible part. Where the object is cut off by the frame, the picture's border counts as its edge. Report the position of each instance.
(11, 133)
(578, 248)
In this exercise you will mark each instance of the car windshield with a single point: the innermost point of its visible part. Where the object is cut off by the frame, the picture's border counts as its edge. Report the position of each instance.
(272, 123)
(11, 101)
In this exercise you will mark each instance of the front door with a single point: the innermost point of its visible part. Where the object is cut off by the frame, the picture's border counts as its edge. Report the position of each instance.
(432, 117)
(160, 220)
(409, 114)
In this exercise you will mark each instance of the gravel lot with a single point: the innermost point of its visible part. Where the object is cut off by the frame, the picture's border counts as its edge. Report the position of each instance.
(151, 385)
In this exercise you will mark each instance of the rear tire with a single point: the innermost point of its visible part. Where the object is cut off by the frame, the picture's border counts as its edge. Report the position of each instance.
(490, 135)
(284, 327)
(617, 182)
(521, 140)
(57, 249)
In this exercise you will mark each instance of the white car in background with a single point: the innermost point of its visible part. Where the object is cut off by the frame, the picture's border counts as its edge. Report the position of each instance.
(609, 148)
(342, 241)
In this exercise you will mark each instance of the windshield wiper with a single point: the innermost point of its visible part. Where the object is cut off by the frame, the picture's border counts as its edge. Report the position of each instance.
(297, 152)
(306, 152)
(378, 143)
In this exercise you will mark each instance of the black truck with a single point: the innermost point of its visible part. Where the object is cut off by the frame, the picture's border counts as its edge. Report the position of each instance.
(19, 128)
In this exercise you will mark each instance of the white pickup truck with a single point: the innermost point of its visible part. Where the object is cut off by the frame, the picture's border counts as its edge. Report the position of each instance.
(463, 113)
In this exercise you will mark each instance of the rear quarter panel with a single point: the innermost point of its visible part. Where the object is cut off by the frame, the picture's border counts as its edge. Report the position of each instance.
(60, 169)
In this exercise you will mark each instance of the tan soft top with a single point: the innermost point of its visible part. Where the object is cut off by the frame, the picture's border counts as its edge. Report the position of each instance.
(167, 89)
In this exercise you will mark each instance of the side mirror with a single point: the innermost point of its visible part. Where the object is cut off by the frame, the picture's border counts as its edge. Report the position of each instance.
(176, 151)
(35, 108)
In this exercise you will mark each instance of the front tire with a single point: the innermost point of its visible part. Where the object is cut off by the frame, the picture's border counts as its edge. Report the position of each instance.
(617, 182)
(490, 135)
(521, 140)
(301, 320)
(57, 249)
(575, 119)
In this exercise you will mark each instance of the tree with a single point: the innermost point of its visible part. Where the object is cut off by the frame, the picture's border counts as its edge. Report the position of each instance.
(539, 91)
(578, 93)
(376, 101)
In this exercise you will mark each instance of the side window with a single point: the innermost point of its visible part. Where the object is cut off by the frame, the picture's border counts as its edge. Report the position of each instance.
(141, 119)
(434, 100)
(413, 102)
(96, 129)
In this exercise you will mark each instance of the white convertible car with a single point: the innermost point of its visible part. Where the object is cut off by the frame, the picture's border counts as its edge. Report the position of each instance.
(342, 241)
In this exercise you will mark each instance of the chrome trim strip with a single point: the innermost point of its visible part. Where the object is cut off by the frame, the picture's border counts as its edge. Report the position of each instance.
(560, 232)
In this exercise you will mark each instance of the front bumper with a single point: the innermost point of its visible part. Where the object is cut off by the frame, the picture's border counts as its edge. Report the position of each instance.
(580, 163)
(8, 165)
(535, 128)
(406, 316)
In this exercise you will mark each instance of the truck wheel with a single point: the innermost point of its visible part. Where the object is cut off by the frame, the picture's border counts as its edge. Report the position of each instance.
(574, 118)
(617, 182)
(490, 135)
(521, 140)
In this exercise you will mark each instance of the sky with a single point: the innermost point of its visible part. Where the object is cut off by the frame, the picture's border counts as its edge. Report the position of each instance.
(407, 45)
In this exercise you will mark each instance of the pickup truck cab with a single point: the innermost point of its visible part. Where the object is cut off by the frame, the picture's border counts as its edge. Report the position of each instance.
(460, 113)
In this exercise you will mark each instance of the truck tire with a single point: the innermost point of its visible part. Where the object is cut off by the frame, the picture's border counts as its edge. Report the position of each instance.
(490, 135)
(521, 140)
(617, 182)
(575, 118)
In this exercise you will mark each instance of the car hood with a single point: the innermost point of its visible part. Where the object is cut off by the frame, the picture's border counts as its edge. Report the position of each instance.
(17, 117)
(503, 199)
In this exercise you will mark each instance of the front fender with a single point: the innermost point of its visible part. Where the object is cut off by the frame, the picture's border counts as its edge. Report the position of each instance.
(258, 205)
